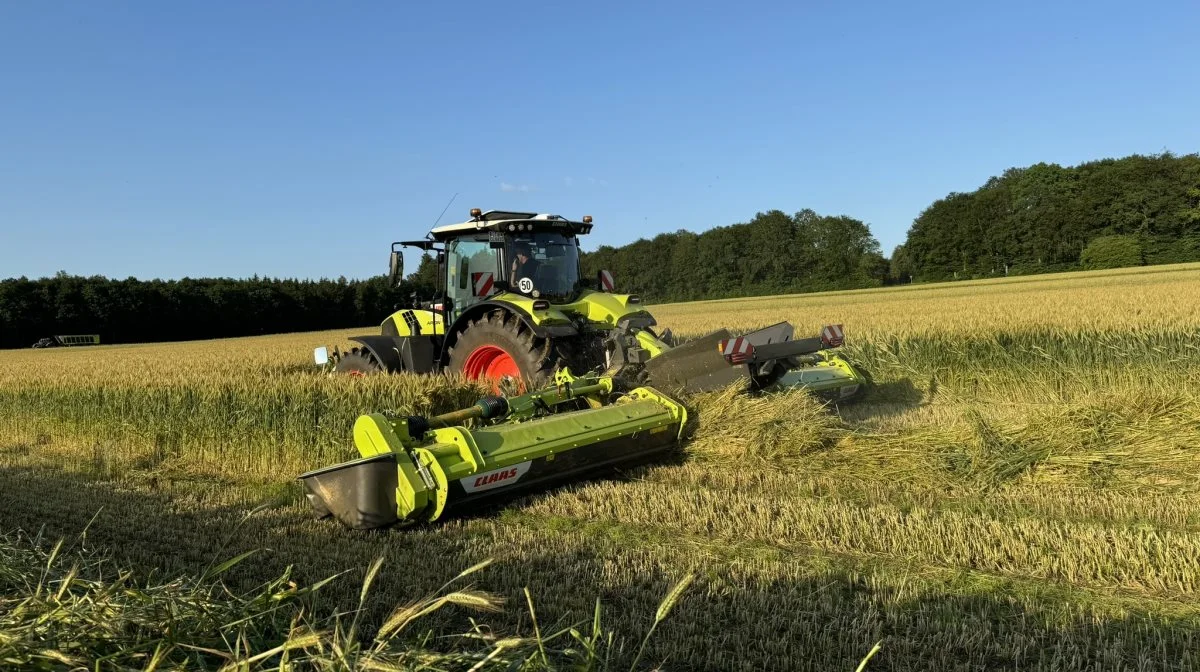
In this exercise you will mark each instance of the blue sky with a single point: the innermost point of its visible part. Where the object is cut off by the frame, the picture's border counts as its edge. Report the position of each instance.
(298, 139)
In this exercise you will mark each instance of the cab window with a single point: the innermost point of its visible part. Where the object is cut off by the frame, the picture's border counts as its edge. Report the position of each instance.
(471, 268)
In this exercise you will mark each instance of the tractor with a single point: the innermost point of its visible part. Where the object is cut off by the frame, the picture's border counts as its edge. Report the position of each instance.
(512, 306)
(594, 382)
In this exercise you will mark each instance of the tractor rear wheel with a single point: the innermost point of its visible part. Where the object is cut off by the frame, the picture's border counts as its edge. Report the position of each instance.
(500, 347)
(358, 362)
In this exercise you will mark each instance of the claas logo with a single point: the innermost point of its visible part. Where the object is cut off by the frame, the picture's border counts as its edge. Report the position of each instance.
(495, 477)
(498, 478)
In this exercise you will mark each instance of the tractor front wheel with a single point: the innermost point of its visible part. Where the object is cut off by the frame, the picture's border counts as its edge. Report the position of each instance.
(499, 347)
(358, 362)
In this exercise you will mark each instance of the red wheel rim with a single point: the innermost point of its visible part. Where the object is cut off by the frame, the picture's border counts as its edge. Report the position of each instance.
(491, 362)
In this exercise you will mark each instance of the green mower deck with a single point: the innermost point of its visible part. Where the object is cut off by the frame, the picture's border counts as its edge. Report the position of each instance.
(414, 469)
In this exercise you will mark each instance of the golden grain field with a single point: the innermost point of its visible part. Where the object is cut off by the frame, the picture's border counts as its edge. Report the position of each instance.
(1018, 490)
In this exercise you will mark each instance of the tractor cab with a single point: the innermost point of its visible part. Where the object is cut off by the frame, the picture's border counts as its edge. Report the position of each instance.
(529, 254)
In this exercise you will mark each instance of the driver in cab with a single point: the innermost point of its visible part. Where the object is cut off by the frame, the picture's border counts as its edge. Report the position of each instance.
(523, 264)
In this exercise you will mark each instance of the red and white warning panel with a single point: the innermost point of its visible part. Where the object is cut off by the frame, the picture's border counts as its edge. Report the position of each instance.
(497, 478)
(737, 350)
(606, 282)
(833, 336)
(481, 283)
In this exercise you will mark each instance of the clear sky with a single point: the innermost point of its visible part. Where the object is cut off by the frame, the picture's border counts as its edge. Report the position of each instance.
(298, 139)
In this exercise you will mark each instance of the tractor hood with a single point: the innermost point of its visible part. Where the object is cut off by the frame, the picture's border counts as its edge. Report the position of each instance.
(599, 310)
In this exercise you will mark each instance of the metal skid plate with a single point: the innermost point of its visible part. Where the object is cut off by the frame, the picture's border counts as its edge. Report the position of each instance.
(360, 493)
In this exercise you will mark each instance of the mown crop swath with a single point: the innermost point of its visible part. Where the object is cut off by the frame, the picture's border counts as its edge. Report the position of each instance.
(1015, 492)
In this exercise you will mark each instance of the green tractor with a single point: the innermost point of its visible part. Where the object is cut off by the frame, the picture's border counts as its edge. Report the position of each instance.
(513, 307)
(593, 378)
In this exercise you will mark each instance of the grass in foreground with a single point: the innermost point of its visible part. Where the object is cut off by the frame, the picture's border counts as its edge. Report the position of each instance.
(1015, 493)
(72, 607)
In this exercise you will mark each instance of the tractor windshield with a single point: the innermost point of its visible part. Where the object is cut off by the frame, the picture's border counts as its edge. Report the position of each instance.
(543, 264)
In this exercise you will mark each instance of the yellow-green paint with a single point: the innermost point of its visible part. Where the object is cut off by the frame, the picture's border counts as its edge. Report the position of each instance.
(832, 374)
(600, 309)
(375, 434)
(566, 386)
(650, 343)
(441, 484)
(507, 444)
(677, 410)
(458, 442)
(446, 454)
(431, 323)
(412, 496)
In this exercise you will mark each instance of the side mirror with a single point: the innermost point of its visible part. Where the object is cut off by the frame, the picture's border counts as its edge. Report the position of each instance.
(396, 267)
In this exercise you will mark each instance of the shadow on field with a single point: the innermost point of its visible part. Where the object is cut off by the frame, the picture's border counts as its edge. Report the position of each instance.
(747, 610)
(884, 400)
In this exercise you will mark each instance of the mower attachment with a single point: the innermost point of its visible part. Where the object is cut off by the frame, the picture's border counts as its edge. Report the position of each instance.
(763, 359)
(414, 469)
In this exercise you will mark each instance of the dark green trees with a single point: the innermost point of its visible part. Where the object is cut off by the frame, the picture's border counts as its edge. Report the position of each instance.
(1043, 218)
(773, 253)
(124, 311)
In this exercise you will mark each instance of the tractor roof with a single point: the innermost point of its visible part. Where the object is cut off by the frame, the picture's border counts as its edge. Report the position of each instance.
(499, 220)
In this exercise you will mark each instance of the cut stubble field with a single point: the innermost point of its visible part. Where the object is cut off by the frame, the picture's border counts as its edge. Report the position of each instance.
(1017, 490)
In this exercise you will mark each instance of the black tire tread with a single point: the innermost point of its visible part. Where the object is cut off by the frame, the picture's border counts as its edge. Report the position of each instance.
(358, 359)
(535, 357)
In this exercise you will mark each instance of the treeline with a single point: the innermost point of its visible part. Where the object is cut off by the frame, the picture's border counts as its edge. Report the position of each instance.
(126, 311)
(771, 254)
(774, 253)
(1043, 218)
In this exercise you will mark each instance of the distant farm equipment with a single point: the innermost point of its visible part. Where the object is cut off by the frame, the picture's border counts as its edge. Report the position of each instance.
(68, 341)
